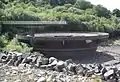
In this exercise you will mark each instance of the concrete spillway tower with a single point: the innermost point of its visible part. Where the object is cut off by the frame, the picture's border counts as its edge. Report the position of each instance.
(60, 44)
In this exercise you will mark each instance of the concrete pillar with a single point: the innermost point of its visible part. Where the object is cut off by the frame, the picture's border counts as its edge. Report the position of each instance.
(32, 34)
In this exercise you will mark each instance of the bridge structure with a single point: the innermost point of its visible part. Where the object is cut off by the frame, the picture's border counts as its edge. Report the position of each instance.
(65, 45)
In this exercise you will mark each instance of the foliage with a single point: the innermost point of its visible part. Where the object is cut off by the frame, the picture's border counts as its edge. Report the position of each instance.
(1, 14)
(116, 12)
(15, 45)
(1, 4)
(82, 4)
(101, 11)
(75, 10)
(70, 1)
(42, 2)
(80, 14)
(61, 2)
(3, 41)
(60, 9)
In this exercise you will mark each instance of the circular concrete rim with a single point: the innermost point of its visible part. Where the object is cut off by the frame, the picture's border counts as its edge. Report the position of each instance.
(92, 35)
(66, 36)
(70, 34)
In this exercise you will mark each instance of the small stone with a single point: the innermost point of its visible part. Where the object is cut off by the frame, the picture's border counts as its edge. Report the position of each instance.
(25, 55)
(29, 72)
(53, 63)
(41, 79)
(112, 80)
(42, 72)
(17, 53)
(22, 66)
(109, 73)
(49, 79)
(112, 62)
(79, 69)
(7, 73)
(54, 80)
(39, 75)
(5, 80)
(35, 79)
(3, 56)
(60, 63)
(14, 57)
(67, 62)
(103, 70)
(18, 81)
(34, 59)
(89, 73)
(51, 59)
(97, 70)
(27, 60)
(72, 68)
(38, 54)
(10, 62)
(92, 66)
(38, 61)
(28, 66)
(60, 66)
(9, 56)
(99, 66)
(15, 68)
(119, 80)
(45, 66)
(45, 61)
(17, 62)
(14, 72)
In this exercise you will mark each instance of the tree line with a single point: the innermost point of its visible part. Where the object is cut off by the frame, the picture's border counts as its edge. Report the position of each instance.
(81, 15)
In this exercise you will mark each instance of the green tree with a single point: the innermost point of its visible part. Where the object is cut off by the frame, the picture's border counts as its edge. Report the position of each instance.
(70, 2)
(2, 4)
(89, 11)
(62, 2)
(101, 11)
(3, 41)
(116, 12)
(75, 10)
(82, 4)
(54, 2)
(1, 14)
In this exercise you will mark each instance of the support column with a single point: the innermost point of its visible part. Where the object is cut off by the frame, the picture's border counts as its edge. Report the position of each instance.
(32, 36)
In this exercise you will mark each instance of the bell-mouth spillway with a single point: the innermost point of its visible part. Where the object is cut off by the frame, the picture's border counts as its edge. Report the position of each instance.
(62, 45)
(65, 45)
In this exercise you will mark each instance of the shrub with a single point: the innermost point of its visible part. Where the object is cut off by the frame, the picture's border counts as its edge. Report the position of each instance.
(15, 45)
(75, 10)
(3, 41)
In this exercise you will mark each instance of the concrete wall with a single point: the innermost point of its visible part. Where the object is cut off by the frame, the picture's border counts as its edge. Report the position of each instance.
(75, 49)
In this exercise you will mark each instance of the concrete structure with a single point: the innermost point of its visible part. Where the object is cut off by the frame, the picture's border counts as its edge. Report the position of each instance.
(66, 45)
(61, 45)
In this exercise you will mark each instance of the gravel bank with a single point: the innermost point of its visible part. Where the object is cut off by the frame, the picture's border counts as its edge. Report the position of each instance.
(35, 67)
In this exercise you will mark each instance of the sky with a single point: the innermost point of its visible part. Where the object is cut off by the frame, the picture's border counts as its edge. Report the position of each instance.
(109, 4)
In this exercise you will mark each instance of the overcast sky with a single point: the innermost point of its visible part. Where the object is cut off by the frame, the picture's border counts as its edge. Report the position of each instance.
(110, 4)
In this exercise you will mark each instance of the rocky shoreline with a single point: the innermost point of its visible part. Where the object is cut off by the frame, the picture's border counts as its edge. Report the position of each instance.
(35, 67)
